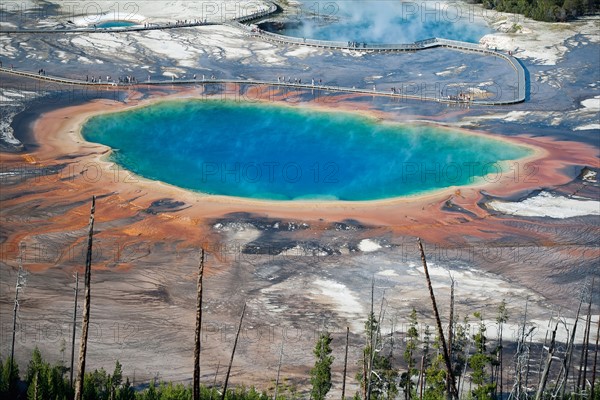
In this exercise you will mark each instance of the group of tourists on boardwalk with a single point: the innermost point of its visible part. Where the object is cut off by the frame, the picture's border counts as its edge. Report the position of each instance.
(94, 79)
(461, 97)
(122, 79)
(148, 25)
(281, 79)
(127, 79)
(357, 45)
(181, 22)
(297, 81)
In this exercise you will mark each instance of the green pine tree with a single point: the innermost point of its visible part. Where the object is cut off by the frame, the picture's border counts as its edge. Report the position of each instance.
(435, 377)
(35, 365)
(125, 392)
(459, 348)
(116, 380)
(3, 381)
(412, 342)
(479, 363)
(320, 375)
(38, 378)
(383, 375)
(9, 377)
(427, 344)
(33, 391)
(150, 393)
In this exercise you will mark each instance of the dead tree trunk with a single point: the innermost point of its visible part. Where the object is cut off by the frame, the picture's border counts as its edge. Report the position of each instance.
(461, 379)
(198, 328)
(375, 343)
(74, 329)
(213, 388)
(500, 374)
(86, 306)
(365, 371)
(345, 364)
(585, 344)
(279, 369)
(453, 392)
(450, 327)
(544, 377)
(18, 286)
(422, 377)
(545, 345)
(233, 354)
(367, 363)
(528, 362)
(595, 368)
(521, 351)
(569, 353)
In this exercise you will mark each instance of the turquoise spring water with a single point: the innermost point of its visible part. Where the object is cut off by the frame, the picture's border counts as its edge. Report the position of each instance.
(284, 153)
(384, 21)
(116, 24)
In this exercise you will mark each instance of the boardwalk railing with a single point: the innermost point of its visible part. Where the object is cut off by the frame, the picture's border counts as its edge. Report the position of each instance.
(49, 78)
(521, 83)
(282, 84)
(259, 14)
(134, 28)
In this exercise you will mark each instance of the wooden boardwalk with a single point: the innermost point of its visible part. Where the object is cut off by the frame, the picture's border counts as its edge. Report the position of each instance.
(303, 86)
(521, 82)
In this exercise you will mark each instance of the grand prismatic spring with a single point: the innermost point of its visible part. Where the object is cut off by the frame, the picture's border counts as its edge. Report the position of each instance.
(283, 153)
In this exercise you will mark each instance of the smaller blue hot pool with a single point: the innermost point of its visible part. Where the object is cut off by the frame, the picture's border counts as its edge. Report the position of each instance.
(116, 24)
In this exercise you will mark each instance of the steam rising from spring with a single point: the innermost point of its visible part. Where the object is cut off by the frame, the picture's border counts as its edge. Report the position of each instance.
(384, 21)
